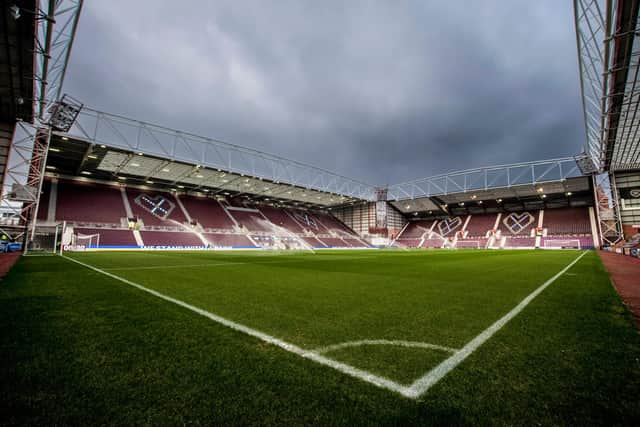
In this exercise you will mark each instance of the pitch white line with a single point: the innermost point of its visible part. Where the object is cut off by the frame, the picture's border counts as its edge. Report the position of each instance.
(342, 367)
(414, 391)
(423, 384)
(412, 344)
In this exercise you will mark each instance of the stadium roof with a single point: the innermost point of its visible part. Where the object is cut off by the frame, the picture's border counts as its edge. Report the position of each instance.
(17, 32)
(530, 185)
(609, 62)
(35, 44)
(191, 170)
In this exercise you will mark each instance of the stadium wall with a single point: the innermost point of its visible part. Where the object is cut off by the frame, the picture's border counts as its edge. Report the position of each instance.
(362, 219)
(628, 187)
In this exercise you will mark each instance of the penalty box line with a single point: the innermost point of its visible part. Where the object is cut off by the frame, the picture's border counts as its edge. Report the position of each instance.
(292, 348)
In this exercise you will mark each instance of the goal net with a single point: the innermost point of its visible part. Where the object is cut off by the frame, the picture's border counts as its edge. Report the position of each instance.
(562, 244)
(43, 241)
(468, 244)
(87, 240)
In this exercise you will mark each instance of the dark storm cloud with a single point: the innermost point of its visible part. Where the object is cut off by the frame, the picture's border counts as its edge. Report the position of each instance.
(380, 91)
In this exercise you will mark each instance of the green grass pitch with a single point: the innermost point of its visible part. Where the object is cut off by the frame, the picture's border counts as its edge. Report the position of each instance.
(82, 346)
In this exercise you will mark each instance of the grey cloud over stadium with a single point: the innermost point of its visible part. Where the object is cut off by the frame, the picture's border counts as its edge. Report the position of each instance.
(379, 91)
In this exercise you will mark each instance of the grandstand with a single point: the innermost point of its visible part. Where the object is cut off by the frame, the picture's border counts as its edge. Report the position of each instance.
(270, 280)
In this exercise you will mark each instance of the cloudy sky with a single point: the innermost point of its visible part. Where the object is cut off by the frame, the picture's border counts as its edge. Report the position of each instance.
(381, 91)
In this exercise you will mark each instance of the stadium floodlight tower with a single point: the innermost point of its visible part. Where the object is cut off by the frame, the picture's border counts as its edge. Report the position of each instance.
(53, 24)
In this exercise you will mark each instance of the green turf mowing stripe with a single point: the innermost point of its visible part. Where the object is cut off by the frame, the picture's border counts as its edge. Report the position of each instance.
(342, 367)
(423, 384)
(415, 390)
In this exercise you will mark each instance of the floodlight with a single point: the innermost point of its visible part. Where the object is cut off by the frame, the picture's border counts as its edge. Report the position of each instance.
(63, 113)
(14, 12)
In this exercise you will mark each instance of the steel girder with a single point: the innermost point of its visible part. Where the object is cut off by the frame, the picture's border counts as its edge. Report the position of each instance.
(503, 176)
(96, 127)
(593, 30)
(609, 65)
(57, 22)
(607, 209)
(56, 25)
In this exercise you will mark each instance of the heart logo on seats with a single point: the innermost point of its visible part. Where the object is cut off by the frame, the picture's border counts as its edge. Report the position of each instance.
(157, 205)
(305, 219)
(447, 225)
(516, 222)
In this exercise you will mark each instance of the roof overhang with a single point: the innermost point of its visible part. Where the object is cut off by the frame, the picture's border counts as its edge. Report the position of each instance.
(609, 65)
(17, 38)
(567, 192)
(75, 158)
(119, 136)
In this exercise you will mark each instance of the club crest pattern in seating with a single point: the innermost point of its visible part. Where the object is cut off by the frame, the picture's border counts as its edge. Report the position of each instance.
(448, 225)
(156, 205)
(517, 222)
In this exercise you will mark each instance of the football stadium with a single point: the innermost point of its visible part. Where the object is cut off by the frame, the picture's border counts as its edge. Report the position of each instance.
(155, 276)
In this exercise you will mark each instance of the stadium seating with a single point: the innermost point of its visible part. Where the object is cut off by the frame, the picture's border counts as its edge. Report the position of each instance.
(281, 218)
(207, 212)
(586, 241)
(433, 243)
(335, 242)
(43, 205)
(567, 221)
(314, 242)
(251, 220)
(479, 225)
(228, 240)
(476, 231)
(170, 238)
(518, 223)
(155, 208)
(520, 242)
(89, 203)
(106, 237)
(415, 229)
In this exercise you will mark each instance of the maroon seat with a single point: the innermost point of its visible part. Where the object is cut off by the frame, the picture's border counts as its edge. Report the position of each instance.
(518, 223)
(586, 242)
(408, 243)
(478, 225)
(228, 240)
(208, 212)
(335, 242)
(155, 207)
(43, 204)
(314, 242)
(520, 242)
(88, 202)
(253, 221)
(108, 237)
(280, 218)
(170, 238)
(432, 243)
(567, 221)
(416, 229)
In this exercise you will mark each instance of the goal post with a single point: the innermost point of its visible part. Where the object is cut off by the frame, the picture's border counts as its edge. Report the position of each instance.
(562, 244)
(87, 240)
(468, 244)
(43, 240)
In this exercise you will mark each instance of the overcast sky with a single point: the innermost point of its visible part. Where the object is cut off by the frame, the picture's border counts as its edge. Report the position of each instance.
(381, 91)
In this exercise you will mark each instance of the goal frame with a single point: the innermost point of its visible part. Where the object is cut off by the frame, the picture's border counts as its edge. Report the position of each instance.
(562, 244)
(466, 246)
(79, 236)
